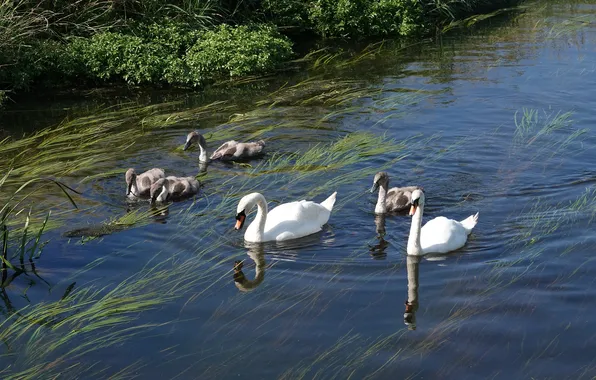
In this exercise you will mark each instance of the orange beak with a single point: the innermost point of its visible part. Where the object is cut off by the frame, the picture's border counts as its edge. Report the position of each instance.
(239, 221)
(412, 210)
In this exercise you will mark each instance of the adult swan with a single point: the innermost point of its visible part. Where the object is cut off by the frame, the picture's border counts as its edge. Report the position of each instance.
(439, 235)
(286, 221)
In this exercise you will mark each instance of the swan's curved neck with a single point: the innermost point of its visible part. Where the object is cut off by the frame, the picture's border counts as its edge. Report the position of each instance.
(134, 189)
(203, 154)
(381, 206)
(257, 227)
(414, 247)
(163, 195)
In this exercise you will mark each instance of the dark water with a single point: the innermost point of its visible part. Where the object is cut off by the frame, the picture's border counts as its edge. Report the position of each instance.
(516, 302)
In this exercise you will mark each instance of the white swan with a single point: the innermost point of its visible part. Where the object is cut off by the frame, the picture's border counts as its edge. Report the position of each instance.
(439, 235)
(286, 221)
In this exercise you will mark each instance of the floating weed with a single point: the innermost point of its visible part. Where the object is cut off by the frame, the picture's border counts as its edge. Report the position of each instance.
(134, 218)
(104, 316)
(472, 20)
(571, 26)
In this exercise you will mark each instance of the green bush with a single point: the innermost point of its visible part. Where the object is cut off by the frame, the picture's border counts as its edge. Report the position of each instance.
(37, 62)
(287, 13)
(236, 51)
(170, 54)
(174, 42)
(366, 18)
(113, 55)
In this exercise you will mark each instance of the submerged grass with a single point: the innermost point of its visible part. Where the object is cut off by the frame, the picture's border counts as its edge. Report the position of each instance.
(352, 354)
(41, 338)
(102, 317)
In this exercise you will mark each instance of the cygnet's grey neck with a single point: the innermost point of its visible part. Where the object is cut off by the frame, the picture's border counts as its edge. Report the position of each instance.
(203, 154)
(381, 206)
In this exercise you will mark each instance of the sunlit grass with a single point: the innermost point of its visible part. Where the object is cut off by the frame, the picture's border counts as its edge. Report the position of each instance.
(102, 317)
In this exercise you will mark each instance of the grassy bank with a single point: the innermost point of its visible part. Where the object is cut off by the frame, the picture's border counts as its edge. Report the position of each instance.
(192, 43)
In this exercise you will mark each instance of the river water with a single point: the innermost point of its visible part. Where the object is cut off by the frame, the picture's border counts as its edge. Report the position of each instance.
(498, 119)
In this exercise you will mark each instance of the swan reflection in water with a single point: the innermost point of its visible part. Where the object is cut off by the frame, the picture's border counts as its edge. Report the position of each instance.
(257, 254)
(412, 264)
(280, 251)
(377, 251)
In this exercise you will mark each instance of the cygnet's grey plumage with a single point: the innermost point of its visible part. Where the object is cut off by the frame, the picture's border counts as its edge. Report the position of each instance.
(228, 151)
(234, 150)
(174, 188)
(138, 185)
(391, 200)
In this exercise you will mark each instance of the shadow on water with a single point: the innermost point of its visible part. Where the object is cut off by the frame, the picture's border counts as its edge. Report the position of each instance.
(413, 266)
(377, 251)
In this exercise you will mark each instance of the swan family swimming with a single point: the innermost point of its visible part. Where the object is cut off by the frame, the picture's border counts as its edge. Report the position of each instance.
(297, 219)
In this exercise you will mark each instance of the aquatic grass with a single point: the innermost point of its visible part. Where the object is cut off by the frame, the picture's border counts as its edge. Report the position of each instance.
(537, 222)
(88, 311)
(470, 21)
(134, 218)
(351, 149)
(570, 26)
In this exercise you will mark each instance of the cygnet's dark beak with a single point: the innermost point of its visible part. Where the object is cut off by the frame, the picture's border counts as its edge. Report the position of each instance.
(154, 196)
(187, 145)
(374, 187)
(129, 188)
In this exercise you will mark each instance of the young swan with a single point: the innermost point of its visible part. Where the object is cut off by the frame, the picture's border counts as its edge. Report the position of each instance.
(286, 221)
(196, 138)
(439, 235)
(395, 199)
(140, 185)
(228, 151)
(233, 150)
(174, 188)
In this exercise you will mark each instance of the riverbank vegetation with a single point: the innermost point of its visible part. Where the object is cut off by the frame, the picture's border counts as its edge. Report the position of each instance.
(191, 43)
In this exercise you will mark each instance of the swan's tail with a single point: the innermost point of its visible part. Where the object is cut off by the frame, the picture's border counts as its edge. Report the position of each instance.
(329, 202)
(470, 222)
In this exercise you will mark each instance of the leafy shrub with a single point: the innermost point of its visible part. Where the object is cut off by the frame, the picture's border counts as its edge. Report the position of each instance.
(114, 55)
(235, 51)
(287, 13)
(38, 62)
(366, 18)
(170, 54)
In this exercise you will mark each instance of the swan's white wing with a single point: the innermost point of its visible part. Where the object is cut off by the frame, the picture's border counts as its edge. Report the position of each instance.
(442, 235)
(295, 219)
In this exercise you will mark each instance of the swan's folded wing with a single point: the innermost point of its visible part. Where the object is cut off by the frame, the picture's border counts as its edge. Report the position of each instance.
(178, 188)
(442, 235)
(305, 211)
(295, 219)
(226, 149)
(398, 199)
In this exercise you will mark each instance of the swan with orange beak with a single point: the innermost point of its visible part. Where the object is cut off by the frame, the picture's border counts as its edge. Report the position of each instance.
(439, 235)
(286, 221)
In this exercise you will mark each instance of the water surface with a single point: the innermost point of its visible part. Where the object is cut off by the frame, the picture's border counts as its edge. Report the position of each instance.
(498, 119)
